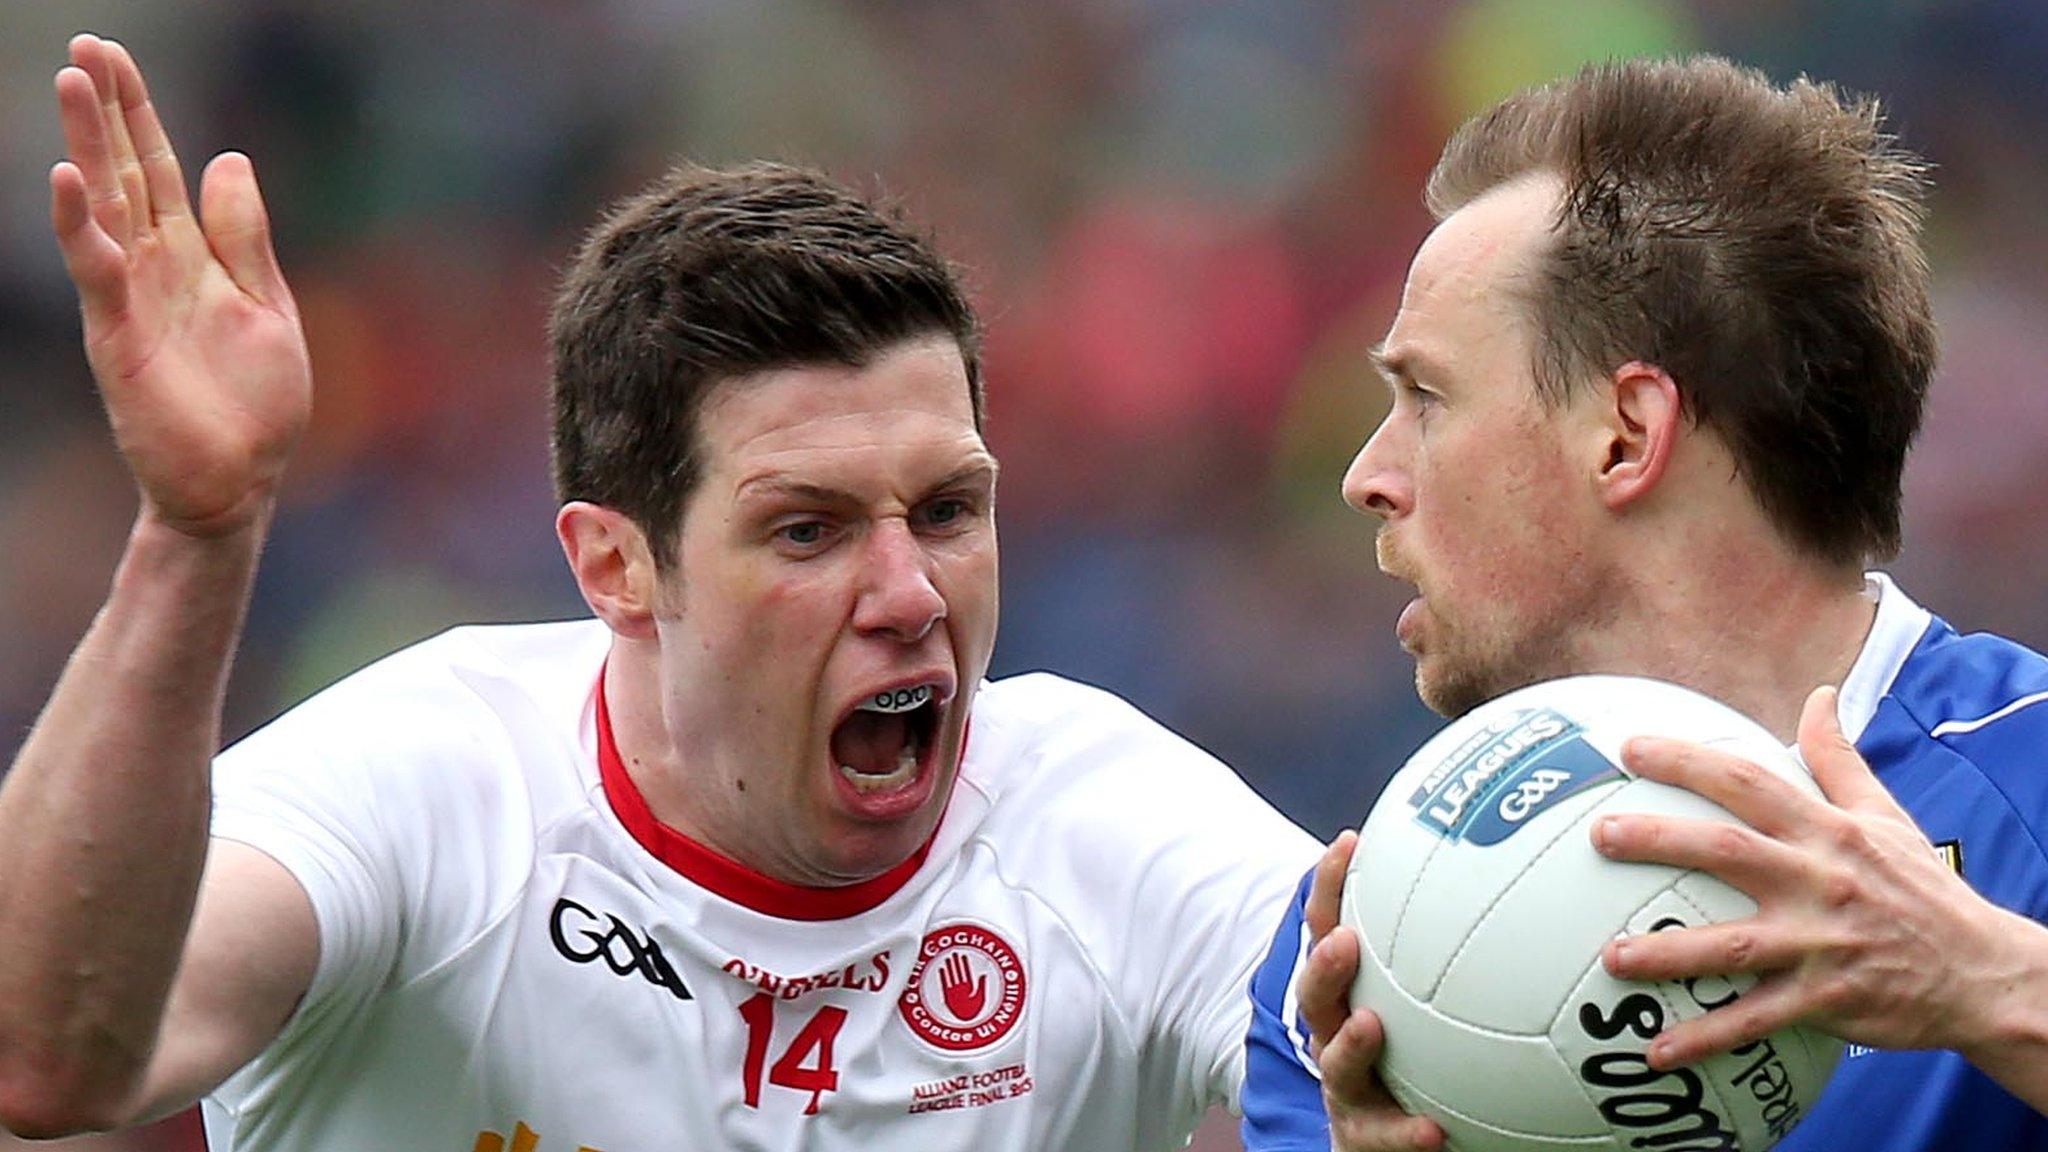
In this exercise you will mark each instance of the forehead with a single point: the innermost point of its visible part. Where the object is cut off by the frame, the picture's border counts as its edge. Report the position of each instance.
(1468, 279)
(910, 401)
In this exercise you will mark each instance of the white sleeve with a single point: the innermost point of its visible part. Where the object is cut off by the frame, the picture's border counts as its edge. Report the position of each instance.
(399, 805)
(1175, 874)
(306, 800)
(1214, 886)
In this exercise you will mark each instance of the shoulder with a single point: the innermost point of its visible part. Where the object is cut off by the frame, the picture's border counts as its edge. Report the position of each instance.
(426, 692)
(1045, 735)
(1033, 695)
(406, 799)
(1084, 774)
(448, 722)
(484, 662)
(1961, 738)
(1108, 819)
(1982, 697)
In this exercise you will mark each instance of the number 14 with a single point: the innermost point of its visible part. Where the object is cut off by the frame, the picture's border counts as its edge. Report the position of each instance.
(806, 1065)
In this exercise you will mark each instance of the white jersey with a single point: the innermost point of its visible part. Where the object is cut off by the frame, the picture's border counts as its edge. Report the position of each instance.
(514, 957)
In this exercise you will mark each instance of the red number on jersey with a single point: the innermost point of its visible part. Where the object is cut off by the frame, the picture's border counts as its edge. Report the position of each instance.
(818, 1077)
(806, 1065)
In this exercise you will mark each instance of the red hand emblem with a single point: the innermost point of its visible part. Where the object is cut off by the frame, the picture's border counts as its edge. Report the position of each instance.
(965, 997)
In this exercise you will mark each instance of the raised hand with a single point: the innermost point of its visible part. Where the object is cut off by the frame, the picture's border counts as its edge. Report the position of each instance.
(112, 1007)
(1363, 1116)
(193, 337)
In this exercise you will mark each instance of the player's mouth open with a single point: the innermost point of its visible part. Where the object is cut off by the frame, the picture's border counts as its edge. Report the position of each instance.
(881, 745)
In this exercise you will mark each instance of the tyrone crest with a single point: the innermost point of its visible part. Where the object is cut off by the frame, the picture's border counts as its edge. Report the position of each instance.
(966, 989)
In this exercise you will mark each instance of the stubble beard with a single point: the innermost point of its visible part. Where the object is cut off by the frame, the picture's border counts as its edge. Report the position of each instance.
(1451, 690)
(1458, 678)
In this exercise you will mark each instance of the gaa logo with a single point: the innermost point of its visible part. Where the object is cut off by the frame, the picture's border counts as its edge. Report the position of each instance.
(966, 989)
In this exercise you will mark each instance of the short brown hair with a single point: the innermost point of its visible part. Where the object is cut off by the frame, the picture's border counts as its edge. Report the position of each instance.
(1759, 243)
(709, 275)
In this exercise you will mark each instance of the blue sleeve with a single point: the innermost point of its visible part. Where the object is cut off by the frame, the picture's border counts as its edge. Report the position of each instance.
(1283, 1092)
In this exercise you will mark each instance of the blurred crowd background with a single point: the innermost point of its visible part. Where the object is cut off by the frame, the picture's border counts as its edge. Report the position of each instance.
(1184, 220)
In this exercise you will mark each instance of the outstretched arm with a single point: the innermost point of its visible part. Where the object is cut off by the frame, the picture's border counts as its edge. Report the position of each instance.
(196, 348)
(1860, 929)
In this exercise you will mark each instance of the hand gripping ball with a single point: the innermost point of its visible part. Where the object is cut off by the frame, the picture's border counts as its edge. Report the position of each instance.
(1482, 908)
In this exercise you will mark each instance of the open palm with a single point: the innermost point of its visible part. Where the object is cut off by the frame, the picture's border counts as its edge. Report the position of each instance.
(192, 334)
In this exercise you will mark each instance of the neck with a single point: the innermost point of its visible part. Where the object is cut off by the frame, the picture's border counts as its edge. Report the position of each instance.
(1744, 620)
(633, 698)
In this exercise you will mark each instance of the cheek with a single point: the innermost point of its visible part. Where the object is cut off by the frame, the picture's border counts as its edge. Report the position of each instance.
(1543, 574)
(971, 585)
(781, 622)
(972, 574)
(1502, 533)
(759, 635)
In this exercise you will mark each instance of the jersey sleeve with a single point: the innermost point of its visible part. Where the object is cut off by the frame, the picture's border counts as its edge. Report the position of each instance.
(308, 803)
(1216, 892)
(1283, 1091)
(394, 799)
(1996, 817)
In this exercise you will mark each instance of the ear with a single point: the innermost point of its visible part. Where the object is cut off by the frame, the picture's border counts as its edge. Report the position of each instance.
(1642, 427)
(613, 565)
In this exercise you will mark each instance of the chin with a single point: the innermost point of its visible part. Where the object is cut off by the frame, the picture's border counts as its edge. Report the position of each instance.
(1450, 691)
(1448, 706)
(872, 851)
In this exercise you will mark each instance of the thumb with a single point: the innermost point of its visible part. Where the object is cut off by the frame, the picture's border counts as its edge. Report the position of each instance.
(237, 228)
(1844, 778)
(1325, 901)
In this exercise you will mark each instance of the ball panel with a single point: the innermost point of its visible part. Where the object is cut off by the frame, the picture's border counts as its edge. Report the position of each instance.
(1473, 1071)
(1517, 964)
(1449, 901)
(1549, 949)
(1393, 854)
(1465, 1133)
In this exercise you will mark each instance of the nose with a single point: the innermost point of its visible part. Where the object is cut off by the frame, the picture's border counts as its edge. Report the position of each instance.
(1376, 483)
(897, 597)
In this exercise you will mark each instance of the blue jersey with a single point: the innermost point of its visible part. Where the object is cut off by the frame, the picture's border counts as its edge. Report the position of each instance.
(1957, 728)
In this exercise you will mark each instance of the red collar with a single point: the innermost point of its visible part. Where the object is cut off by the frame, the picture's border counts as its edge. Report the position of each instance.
(721, 874)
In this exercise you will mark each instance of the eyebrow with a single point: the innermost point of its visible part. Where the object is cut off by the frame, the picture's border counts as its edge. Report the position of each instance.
(1397, 367)
(1394, 367)
(982, 470)
(774, 485)
(1387, 366)
(771, 487)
